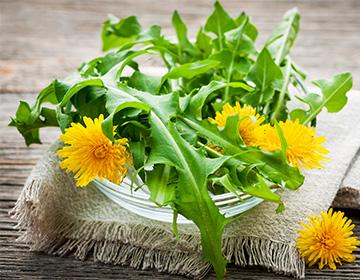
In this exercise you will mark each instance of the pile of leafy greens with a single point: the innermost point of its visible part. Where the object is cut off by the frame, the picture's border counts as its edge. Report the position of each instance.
(165, 117)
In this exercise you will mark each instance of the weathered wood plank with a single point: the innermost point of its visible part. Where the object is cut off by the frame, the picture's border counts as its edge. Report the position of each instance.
(41, 40)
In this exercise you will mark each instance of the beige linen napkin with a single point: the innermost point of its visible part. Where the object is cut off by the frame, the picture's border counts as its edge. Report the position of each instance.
(59, 218)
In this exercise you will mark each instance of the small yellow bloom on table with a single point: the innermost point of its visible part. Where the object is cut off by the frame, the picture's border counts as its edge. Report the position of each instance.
(89, 154)
(327, 240)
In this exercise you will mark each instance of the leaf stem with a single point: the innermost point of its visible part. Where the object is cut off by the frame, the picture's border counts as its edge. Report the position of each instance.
(283, 91)
(208, 149)
(228, 79)
(174, 224)
(301, 84)
(219, 33)
(325, 101)
(128, 59)
(231, 67)
(285, 38)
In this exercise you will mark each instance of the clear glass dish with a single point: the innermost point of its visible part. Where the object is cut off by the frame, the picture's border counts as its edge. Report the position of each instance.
(139, 201)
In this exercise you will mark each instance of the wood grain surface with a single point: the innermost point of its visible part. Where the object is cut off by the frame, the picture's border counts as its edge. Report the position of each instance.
(41, 40)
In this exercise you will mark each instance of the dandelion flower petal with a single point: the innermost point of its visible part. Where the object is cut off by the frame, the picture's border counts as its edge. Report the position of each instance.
(250, 121)
(89, 154)
(327, 239)
(303, 146)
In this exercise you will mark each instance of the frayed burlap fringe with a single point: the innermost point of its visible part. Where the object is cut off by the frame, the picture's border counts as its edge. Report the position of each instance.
(107, 242)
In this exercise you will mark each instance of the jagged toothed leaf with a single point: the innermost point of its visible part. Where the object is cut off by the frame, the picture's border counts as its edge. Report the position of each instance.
(197, 101)
(118, 32)
(185, 46)
(264, 72)
(28, 120)
(284, 35)
(127, 32)
(298, 114)
(169, 148)
(77, 87)
(144, 82)
(333, 97)
(254, 184)
(161, 187)
(90, 102)
(117, 100)
(226, 182)
(53, 93)
(203, 43)
(239, 45)
(101, 65)
(192, 69)
(192, 196)
(250, 29)
(231, 130)
(29, 124)
(219, 21)
(238, 41)
(137, 149)
(334, 92)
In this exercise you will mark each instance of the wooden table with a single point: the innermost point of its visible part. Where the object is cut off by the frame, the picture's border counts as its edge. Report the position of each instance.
(41, 40)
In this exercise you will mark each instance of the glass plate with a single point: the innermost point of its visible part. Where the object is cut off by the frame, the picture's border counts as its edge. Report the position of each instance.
(139, 201)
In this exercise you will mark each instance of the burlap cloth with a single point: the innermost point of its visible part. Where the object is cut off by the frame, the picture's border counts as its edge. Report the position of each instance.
(59, 218)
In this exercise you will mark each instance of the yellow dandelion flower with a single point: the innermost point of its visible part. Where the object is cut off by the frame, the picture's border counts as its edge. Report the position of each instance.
(250, 120)
(328, 240)
(303, 147)
(88, 153)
